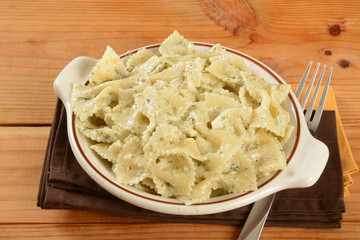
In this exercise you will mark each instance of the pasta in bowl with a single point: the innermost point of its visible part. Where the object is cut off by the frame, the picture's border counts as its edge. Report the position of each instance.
(186, 128)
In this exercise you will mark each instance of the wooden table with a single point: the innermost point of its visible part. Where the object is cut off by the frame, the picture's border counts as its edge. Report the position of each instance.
(38, 38)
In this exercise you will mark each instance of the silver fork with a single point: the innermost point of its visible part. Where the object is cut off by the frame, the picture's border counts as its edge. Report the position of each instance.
(259, 212)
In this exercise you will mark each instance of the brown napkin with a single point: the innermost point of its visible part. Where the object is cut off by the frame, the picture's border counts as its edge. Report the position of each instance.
(65, 185)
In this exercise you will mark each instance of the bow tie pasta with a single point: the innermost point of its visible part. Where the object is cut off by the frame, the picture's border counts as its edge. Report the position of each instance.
(183, 123)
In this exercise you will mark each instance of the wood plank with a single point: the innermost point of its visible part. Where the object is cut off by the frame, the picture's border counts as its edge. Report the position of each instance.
(165, 231)
(119, 231)
(37, 41)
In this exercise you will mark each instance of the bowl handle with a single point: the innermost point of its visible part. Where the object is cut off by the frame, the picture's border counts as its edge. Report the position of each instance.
(77, 71)
(313, 157)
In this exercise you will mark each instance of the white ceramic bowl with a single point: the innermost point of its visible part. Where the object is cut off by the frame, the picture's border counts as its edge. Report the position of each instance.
(306, 156)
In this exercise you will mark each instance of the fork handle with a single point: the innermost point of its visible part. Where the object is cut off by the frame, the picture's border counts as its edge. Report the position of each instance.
(256, 219)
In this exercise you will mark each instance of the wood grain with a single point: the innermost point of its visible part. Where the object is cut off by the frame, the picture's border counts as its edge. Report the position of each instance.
(38, 38)
(164, 231)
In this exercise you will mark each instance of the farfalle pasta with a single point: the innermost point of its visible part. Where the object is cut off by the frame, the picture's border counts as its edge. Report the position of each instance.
(183, 123)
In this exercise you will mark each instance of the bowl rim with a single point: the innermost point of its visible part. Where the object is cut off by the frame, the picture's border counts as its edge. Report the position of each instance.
(163, 200)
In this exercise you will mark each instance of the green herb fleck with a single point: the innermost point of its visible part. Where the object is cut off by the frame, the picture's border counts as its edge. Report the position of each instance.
(169, 184)
(234, 167)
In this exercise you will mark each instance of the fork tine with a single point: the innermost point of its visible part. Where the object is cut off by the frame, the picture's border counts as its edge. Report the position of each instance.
(314, 96)
(302, 82)
(308, 90)
(316, 120)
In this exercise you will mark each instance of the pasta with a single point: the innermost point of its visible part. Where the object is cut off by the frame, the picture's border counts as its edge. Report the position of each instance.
(183, 123)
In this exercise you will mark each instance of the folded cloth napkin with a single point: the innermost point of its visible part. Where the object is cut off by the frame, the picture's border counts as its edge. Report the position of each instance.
(65, 185)
(347, 160)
